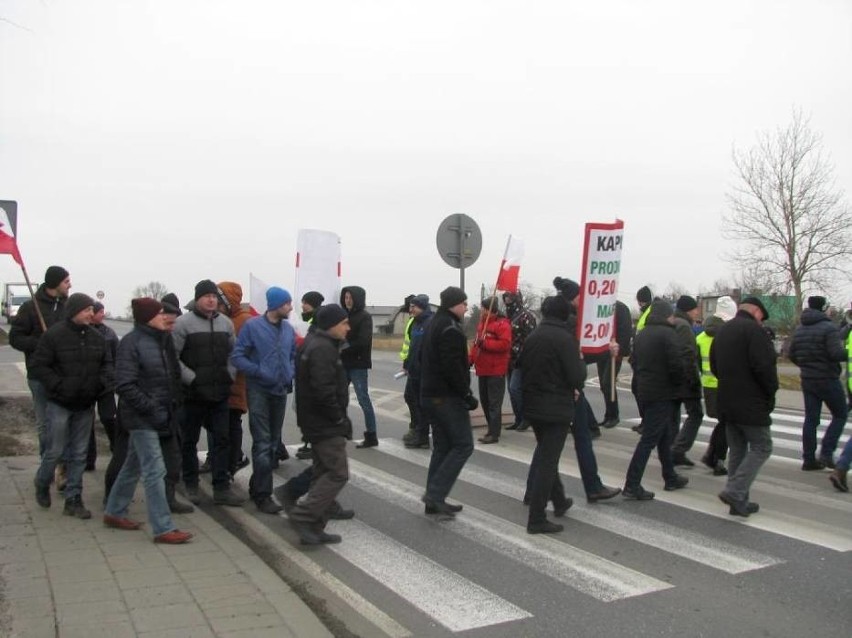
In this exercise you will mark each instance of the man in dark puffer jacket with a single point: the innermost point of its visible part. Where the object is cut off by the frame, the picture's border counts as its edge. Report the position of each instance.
(818, 350)
(73, 364)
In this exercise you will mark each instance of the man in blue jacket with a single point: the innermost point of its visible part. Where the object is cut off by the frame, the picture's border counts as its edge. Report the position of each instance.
(266, 352)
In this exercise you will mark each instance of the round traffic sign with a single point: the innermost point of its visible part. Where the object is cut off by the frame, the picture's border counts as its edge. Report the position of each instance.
(459, 241)
(100, 294)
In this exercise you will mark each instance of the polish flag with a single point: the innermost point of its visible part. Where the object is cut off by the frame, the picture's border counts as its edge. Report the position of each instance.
(8, 243)
(257, 295)
(510, 269)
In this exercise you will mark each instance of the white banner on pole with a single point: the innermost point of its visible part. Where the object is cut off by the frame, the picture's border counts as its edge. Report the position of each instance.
(599, 287)
(317, 268)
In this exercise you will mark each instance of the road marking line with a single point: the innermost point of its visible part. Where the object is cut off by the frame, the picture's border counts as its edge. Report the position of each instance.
(706, 550)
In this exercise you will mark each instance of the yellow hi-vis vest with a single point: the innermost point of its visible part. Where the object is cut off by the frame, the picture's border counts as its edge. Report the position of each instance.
(849, 361)
(406, 339)
(641, 323)
(704, 342)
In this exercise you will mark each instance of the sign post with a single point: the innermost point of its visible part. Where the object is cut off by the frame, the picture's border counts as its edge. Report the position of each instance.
(459, 242)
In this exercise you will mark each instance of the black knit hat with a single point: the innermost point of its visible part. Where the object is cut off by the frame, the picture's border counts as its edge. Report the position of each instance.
(171, 304)
(661, 309)
(54, 276)
(567, 287)
(329, 316)
(205, 287)
(686, 303)
(643, 295)
(556, 307)
(313, 299)
(77, 303)
(452, 296)
(97, 307)
(144, 309)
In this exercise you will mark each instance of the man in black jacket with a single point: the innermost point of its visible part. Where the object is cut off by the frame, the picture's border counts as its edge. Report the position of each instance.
(686, 314)
(818, 350)
(446, 399)
(743, 360)
(27, 328)
(658, 366)
(72, 363)
(322, 396)
(357, 356)
(552, 375)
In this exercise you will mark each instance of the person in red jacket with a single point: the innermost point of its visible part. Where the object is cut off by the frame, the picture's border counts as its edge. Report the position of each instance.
(490, 356)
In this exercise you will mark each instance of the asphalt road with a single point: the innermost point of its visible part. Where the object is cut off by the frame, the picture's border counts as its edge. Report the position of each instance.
(675, 566)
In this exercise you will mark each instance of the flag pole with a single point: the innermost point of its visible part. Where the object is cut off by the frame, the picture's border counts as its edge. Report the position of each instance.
(32, 296)
(493, 300)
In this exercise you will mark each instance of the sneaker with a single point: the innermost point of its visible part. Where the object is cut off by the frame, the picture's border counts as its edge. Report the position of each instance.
(304, 452)
(812, 465)
(487, 439)
(120, 522)
(42, 495)
(174, 537)
(682, 460)
(559, 512)
(268, 506)
(192, 494)
(637, 494)
(74, 507)
(545, 528)
(677, 483)
(837, 478)
(228, 498)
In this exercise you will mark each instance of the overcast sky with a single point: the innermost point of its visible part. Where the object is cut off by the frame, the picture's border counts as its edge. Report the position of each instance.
(176, 140)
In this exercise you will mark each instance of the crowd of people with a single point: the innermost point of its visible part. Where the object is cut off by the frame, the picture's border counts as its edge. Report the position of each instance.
(178, 373)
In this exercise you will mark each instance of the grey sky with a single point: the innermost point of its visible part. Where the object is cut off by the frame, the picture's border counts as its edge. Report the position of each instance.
(179, 140)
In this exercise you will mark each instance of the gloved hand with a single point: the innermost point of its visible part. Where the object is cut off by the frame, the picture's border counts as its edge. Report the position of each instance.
(470, 402)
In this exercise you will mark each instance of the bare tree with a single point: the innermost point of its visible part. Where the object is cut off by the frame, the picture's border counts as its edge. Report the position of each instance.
(790, 219)
(154, 289)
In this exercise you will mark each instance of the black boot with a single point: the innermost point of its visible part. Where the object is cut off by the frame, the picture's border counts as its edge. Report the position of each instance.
(370, 440)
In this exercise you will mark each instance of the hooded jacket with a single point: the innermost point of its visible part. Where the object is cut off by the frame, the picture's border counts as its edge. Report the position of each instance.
(322, 389)
(357, 353)
(445, 371)
(817, 347)
(690, 385)
(234, 294)
(26, 328)
(658, 360)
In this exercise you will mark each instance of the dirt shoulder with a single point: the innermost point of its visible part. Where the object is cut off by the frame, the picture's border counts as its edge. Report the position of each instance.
(18, 435)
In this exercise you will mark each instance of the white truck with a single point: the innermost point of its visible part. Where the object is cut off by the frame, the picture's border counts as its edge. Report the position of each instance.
(13, 296)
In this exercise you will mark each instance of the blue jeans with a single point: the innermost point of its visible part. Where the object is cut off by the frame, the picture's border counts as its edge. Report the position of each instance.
(40, 407)
(660, 420)
(845, 458)
(452, 444)
(516, 395)
(266, 419)
(214, 417)
(145, 458)
(817, 392)
(358, 379)
(68, 429)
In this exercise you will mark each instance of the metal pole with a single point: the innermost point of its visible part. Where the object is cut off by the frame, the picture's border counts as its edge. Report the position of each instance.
(462, 237)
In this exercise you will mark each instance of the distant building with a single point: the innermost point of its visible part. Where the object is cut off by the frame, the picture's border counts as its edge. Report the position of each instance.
(390, 320)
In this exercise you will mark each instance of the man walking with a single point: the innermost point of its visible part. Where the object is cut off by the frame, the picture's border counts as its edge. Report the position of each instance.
(818, 350)
(743, 360)
(357, 356)
(689, 393)
(72, 363)
(265, 351)
(421, 314)
(203, 341)
(322, 396)
(447, 400)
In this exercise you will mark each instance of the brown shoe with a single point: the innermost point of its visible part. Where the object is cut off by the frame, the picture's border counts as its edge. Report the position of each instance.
(119, 522)
(174, 537)
(838, 480)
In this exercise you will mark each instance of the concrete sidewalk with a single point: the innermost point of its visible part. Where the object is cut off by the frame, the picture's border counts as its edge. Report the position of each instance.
(65, 577)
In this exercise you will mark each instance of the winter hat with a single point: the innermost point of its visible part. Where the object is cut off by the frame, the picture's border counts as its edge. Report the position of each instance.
(567, 287)
(205, 287)
(818, 303)
(171, 304)
(313, 299)
(452, 296)
(421, 301)
(97, 307)
(490, 304)
(144, 309)
(643, 295)
(726, 308)
(77, 303)
(661, 309)
(54, 276)
(556, 307)
(754, 301)
(329, 316)
(686, 303)
(277, 297)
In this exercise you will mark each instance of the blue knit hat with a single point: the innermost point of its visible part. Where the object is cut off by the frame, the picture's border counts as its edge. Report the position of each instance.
(277, 297)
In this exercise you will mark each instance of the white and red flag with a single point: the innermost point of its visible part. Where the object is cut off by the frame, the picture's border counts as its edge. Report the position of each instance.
(257, 295)
(8, 221)
(510, 268)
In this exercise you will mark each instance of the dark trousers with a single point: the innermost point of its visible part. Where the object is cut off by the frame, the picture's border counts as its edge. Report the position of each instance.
(330, 474)
(816, 392)
(452, 444)
(634, 388)
(717, 449)
(419, 423)
(106, 415)
(605, 378)
(544, 469)
(235, 438)
(660, 420)
(685, 438)
(516, 394)
(214, 417)
(170, 447)
(491, 393)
